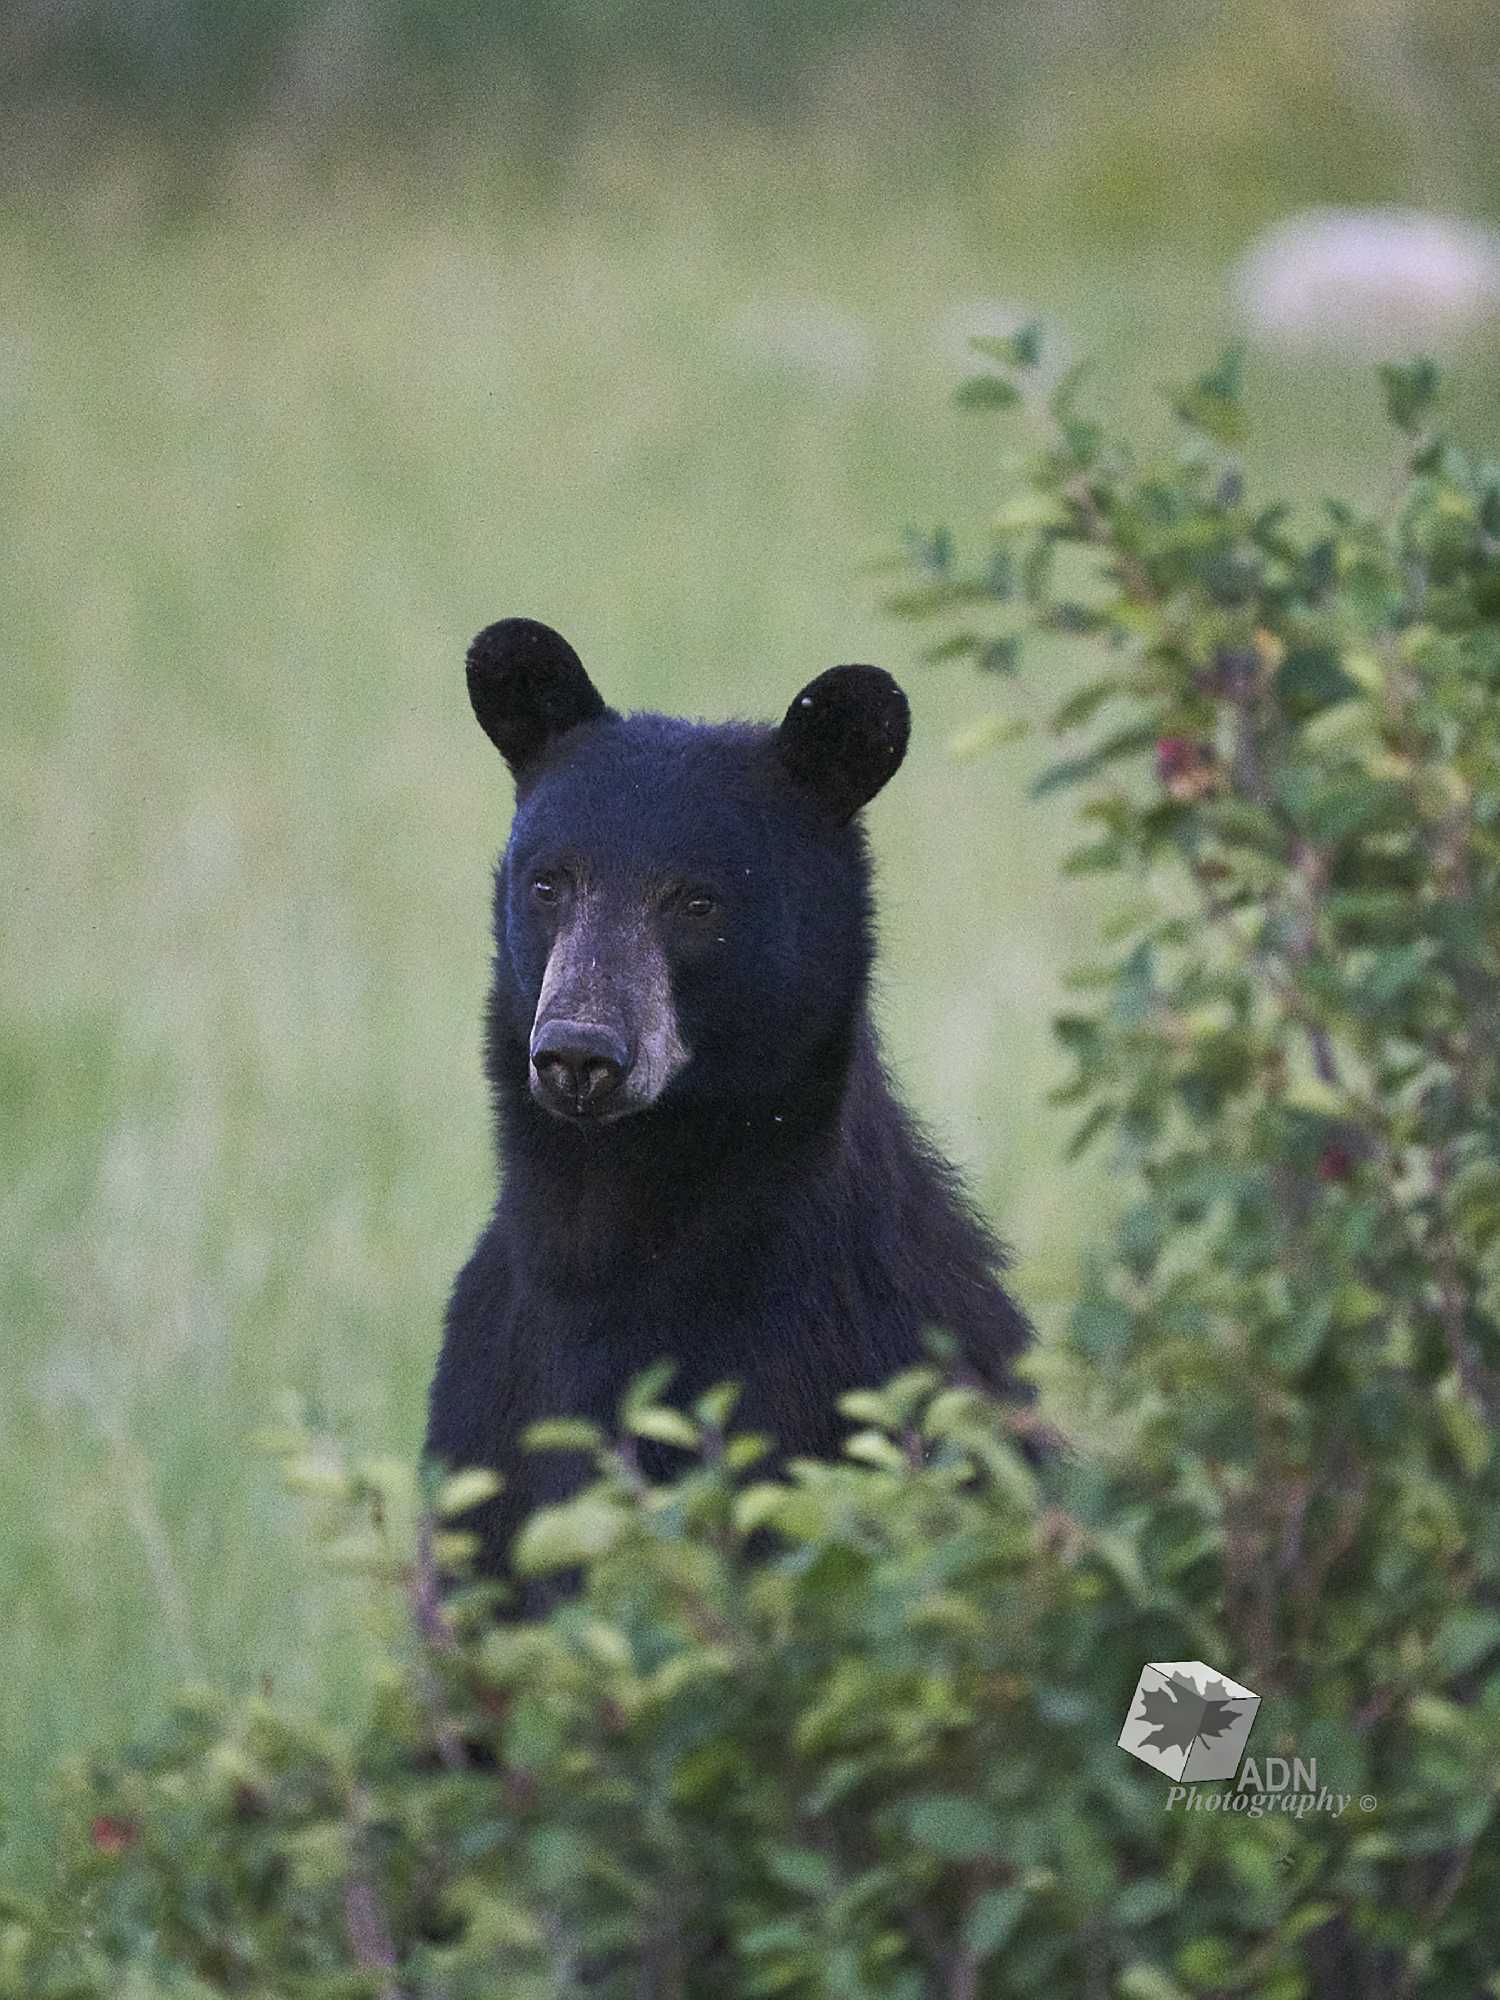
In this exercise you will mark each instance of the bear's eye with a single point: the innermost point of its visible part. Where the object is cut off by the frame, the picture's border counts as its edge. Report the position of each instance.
(544, 890)
(699, 904)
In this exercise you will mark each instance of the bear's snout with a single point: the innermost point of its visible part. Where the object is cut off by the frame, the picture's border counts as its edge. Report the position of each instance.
(577, 1067)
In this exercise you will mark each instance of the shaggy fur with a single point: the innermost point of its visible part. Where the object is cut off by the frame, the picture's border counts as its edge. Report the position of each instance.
(771, 1215)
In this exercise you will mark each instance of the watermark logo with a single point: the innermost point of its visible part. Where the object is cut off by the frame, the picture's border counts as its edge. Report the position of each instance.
(1189, 1722)
(1192, 1724)
(1286, 1785)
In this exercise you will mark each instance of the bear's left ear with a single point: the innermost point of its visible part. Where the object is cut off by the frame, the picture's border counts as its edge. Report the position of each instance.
(844, 736)
(528, 687)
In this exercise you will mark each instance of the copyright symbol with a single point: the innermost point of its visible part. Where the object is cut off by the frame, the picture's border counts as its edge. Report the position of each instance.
(1367, 1802)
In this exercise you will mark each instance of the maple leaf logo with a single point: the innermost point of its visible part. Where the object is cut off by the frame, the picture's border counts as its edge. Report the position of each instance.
(1188, 1720)
(1220, 1711)
(1175, 1723)
(1167, 1716)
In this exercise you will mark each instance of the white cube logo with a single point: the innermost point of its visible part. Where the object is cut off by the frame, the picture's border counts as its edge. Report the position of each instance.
(1189, 1722)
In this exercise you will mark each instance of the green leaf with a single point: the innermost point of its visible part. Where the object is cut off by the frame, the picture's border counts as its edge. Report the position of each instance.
(1309, 1917)
(956, 1827)
(1410, 390)
(1311, 679)
(1355, 1303)
(875, 1448)
(993, 1918)
(1143, 1902)
(1147, 1982)
(1469, 1436)
(932, 553)
(986, 392)
(1063, 402)
(1209, 1961)
(1029, 512)
(1026, 344)
(1464, 1638)
(1312, 1094)
(786, 1934)
(803, 1869)
(1226, 378)
(927, 600)
(948, 1409)
(716, 1406)
(757, 1505)
(744, 1449)
(1000, 656)
(1212, 403)
(562, 1434)
(319, 1477)
(1075, 770)
(1021, 349)
(1084, 704)
(362, 1551)
(665, 1426)
(1296, 1344)
(574, 1532)
(869, 1406)
(1097, 857)
(1082, 1137)
(1101, 1327)
(467, 1489)
(647, 1387)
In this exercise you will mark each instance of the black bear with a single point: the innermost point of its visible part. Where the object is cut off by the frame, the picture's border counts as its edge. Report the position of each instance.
(701, 1155)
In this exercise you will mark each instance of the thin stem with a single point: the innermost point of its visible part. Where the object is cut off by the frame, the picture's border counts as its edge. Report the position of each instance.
(365, 1923)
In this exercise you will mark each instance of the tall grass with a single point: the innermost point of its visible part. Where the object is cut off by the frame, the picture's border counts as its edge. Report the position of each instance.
(266, 469)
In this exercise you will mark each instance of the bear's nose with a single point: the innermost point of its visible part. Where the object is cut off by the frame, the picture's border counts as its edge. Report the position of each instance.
(578, 1064)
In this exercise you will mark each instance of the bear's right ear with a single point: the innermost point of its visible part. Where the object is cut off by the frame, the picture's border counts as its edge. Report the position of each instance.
(528, 688)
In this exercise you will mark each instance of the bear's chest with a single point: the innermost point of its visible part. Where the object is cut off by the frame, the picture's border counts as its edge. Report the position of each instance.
(788, 1346)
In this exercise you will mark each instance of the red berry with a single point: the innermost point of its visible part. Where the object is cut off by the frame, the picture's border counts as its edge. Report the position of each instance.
(1188, 770)
(110, 1834)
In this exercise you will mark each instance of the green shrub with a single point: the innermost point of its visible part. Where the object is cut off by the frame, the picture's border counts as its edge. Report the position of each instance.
(883, 1759)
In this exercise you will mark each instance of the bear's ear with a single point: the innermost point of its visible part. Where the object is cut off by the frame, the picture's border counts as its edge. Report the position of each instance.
(528, 687)
(844, 736)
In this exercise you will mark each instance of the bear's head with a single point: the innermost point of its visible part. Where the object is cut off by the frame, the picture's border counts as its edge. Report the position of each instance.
(682, 911)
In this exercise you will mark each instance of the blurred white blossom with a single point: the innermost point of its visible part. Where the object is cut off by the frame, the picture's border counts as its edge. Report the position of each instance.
(1369, 280)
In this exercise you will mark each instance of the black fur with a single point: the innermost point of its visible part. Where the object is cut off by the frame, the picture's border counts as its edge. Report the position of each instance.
(527, 685)
(844, 736)
(774, 1217)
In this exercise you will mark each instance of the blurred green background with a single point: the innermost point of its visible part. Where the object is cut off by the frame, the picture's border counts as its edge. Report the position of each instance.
(329, 333)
